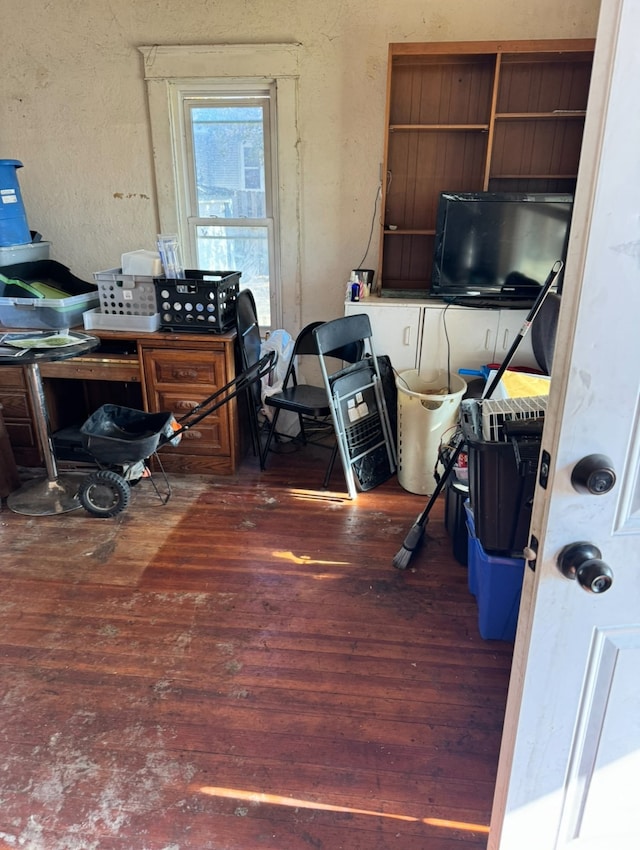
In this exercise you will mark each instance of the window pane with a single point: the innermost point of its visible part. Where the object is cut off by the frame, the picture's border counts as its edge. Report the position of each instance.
(228, 144)
(239, 249)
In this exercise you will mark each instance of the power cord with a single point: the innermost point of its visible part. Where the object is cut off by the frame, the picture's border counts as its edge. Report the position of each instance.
(373, 221)
(446, 336)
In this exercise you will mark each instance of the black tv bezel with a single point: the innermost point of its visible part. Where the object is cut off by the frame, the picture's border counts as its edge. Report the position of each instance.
(445, 294)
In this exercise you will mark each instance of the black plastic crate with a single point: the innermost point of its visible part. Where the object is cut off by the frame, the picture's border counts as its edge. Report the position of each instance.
(502, 477)
(67, 445)
(455, 519)
(201, 302)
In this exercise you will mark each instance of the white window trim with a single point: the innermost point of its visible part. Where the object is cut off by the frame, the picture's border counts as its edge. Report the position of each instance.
(164, 65)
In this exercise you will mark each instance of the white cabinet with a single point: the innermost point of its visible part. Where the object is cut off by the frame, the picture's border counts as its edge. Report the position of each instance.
(509, 327)
(432, 335)
(396, 328)
(468, 338)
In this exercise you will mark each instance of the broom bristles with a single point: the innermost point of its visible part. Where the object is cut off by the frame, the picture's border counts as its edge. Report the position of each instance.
(410, 544)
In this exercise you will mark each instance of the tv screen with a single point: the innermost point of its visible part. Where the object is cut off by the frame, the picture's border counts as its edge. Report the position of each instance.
(496, 245)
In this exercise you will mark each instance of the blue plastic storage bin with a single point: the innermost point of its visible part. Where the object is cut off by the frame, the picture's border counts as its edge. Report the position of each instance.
(472, 566)
(496, 582)
(14, 229)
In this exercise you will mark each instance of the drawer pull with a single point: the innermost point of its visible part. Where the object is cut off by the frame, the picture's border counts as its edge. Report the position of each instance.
(186, 374)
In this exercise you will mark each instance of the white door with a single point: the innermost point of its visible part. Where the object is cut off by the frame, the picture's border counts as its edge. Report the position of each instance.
(569, 771)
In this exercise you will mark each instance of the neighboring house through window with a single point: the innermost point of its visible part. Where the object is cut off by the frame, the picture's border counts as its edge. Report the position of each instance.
(225, 151)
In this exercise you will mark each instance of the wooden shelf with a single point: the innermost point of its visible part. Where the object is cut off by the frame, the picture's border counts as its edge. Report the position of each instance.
(399, 232)
(558, 114)
(473, 117)
(440, 128)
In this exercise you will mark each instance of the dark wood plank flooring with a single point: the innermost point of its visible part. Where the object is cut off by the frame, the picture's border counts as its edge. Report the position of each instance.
(243, 669)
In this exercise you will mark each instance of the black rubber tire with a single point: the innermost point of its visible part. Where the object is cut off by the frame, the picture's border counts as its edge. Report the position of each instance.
(104, 493)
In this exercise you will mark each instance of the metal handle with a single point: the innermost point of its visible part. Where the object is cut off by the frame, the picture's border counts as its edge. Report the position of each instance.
(583, 561)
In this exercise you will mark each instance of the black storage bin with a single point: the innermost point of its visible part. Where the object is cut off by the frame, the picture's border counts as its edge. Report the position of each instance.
(45, 271)
(455, 519)
(22, 308)
(201, 302)
(67, 445)
(502, 477)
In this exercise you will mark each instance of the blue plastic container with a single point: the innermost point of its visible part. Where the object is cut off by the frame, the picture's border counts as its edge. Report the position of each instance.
(472, 562)
(496, 582)
(14, 229)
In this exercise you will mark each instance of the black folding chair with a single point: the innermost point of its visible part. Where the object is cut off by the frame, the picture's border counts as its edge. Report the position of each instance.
(358, 406)
(250, 346)
(309, 402)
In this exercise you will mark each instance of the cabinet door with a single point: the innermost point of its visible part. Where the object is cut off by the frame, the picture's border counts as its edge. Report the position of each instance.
(509, 326)
(457, 338)
(395, 329)
(18, 418)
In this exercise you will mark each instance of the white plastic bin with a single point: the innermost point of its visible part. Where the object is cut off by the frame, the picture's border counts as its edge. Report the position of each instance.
(428, 406)
(12, 254)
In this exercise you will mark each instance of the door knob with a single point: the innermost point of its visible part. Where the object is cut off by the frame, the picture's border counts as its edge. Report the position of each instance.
(583, 561)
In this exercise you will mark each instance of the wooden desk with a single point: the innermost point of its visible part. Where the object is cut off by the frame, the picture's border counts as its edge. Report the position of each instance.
(150, 371)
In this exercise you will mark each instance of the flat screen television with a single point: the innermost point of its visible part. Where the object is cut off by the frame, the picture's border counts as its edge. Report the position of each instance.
(498, 246)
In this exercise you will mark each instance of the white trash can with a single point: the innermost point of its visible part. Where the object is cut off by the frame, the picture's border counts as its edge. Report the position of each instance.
(428, 406)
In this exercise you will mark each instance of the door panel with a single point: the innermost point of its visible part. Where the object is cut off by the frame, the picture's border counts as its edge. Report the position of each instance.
(570, 757)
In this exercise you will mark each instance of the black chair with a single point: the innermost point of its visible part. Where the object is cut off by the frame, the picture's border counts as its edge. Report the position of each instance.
(308, 401)
(543, 332)
(250, 348)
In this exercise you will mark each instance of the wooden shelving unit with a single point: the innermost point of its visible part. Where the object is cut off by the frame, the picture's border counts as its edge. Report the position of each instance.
(470, 117)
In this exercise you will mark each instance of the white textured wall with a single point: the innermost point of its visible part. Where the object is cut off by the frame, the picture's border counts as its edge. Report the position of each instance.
(73, 110)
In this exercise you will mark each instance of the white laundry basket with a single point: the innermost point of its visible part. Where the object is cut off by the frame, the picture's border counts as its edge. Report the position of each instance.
(428, 405)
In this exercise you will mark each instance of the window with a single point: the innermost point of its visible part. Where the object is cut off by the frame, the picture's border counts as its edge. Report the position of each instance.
(231, 215)
(225, 150)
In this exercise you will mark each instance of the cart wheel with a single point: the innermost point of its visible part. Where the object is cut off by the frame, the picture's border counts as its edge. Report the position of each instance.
(104, 493)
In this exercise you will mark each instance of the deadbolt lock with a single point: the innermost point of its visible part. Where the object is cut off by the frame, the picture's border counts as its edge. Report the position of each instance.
(593, 474)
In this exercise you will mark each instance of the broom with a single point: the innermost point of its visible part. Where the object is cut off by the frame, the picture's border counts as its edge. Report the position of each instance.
(416, 532)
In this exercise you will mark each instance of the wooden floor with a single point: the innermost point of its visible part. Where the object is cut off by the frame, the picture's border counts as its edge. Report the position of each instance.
(244, 669)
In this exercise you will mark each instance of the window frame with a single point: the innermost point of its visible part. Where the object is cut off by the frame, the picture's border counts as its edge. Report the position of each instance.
(167, 69)
(184, 98)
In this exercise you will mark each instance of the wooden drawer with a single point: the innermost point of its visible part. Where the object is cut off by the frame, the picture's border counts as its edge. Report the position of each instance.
(201, 368)
(15, 405)
(125, 369)
(12, 376)
(209, 435)
(21, 435)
